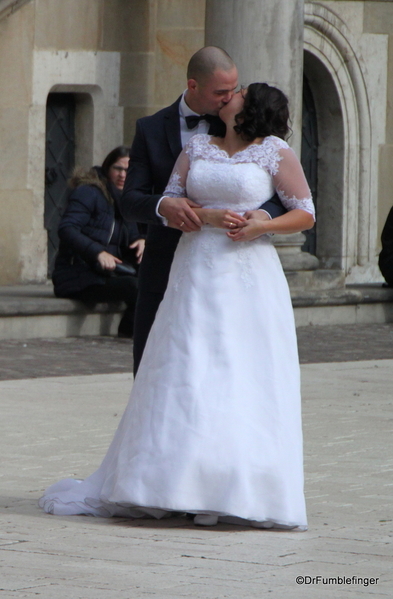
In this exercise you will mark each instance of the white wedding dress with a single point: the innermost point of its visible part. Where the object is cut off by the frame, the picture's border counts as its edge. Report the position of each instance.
(213, 424)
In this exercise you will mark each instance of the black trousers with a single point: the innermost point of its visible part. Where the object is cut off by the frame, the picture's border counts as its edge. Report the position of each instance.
(145, 313)
(115, 289)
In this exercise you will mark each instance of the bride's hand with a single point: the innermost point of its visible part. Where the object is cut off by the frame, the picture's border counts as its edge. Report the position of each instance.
(222, 219)
(254, 226)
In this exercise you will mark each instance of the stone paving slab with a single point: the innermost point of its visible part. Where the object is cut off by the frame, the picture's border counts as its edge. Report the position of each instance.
(86, 355)
(61, 426)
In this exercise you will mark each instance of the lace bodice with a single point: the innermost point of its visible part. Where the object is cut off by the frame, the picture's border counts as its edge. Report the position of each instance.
(207, 174)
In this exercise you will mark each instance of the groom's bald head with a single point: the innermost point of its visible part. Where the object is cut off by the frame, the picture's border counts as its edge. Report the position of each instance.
(208, 60)
(211, 80)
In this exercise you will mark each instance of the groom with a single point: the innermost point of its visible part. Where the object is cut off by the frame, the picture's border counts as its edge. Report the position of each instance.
(212, 80)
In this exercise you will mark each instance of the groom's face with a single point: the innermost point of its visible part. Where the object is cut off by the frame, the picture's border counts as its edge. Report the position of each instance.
(211, 94)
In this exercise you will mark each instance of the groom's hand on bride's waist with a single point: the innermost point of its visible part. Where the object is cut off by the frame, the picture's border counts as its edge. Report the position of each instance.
(179, 214)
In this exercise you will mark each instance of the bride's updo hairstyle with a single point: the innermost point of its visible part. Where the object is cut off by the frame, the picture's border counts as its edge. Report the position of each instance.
(265, 112)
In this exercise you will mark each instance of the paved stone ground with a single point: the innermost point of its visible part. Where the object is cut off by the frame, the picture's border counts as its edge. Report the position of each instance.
(78, 356)
(61, 426)
(64, 356)
(56, 423)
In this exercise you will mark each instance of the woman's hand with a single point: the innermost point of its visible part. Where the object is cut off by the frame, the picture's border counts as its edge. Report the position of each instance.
(254, 226)
(139, 246)
(293, 221)
(251, 229)
(221, 219)
(107, 261)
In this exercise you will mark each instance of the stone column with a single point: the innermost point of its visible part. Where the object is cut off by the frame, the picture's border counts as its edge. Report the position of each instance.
(265, 39)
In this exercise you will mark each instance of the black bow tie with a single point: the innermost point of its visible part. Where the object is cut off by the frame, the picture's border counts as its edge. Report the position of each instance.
(193, 120)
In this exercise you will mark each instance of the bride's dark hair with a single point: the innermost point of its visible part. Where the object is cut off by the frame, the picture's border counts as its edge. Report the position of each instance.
(265, 112)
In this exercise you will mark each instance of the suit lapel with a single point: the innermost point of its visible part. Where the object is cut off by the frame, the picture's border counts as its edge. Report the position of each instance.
(172, 128)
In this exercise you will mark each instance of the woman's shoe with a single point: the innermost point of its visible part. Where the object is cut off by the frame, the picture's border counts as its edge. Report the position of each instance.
(264, 524)
(269, 524)
(205, 520)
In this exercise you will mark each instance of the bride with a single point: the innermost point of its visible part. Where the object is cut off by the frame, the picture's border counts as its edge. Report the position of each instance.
(213, 423)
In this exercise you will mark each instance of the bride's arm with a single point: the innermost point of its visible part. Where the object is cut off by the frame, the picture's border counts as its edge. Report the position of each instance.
(174, 206)
(292, 187)
(220, 218)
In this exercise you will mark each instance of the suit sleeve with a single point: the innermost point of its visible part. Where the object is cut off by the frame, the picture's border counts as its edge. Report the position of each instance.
(138, 202)
(274, 207)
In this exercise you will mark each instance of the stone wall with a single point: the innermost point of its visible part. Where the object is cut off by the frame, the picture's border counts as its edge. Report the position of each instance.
(165, 34)
(16, 196)
(124, 59)
(378, 19)
(121, 60)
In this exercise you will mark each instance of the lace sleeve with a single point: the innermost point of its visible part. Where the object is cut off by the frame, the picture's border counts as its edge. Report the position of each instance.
(290, 182)
(176, 187)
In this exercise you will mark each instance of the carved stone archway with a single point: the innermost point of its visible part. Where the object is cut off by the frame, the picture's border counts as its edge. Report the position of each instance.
(347, 220)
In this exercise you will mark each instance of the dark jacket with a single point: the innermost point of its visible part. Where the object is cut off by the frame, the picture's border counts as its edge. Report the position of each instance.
(386, 256)
(91, 224)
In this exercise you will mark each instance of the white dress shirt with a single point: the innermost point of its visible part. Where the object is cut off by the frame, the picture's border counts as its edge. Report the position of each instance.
(185, 132)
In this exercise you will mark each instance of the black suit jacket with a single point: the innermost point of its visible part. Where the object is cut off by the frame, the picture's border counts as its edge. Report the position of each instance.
(153, 154)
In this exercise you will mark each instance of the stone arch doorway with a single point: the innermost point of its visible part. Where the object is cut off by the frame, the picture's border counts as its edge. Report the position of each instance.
(347, 222)
(326, 171)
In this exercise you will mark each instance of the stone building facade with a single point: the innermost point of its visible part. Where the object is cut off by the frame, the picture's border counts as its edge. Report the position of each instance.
(76, 74)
